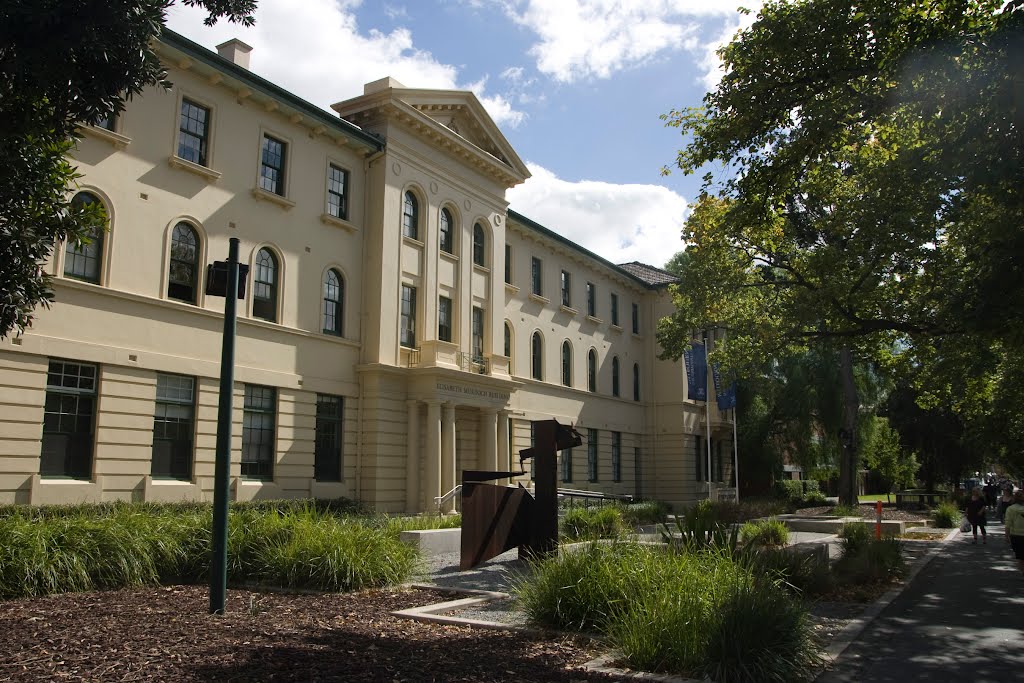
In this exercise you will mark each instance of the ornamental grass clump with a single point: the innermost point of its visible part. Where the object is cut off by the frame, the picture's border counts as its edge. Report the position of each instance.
(587, 524)
(946, 516)
(866, 559)
(769, 533)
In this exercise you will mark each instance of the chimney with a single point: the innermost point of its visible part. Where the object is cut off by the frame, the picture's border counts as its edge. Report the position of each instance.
(235, 51)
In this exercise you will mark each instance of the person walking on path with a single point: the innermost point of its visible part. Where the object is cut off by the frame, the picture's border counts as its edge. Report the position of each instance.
(1015, 527)
(976, 515)
(1005, 501)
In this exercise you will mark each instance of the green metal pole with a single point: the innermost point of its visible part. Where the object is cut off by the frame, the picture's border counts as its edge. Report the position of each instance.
(222, 465)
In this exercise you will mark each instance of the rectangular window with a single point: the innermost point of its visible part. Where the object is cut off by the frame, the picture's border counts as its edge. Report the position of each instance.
(329, 437)
(592, 455)
(68, 420)
(258, 425)
(566, 457)
(477, 340)
(536, 280)
(408, 322)
(108, 122)
(337, 191)
(508, 263)
(173, 427)
(615, 309)
(193, 132)
(566, 288)
(636, 319)
(616, 456)
(444, 319)
(272, 161)
(591, 299)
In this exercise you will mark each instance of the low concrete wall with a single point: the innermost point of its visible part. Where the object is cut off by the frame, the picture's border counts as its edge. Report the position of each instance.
(834, 525)
(434, 541)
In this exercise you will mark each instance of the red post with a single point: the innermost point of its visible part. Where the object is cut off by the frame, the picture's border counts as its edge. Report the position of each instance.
(878, 519)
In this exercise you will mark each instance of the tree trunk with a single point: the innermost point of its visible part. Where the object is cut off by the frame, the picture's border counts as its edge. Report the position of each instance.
(848, 434)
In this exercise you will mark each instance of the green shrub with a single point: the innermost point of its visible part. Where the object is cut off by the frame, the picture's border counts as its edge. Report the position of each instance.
(846, 510)
(812, 499)
(789, 489)
(699, 529)
(587, 524)
(854, 536)
(765, 532)
(946, 516)
(645, 512)
(728, 512)
(811, 486)
(808, 573)
(866, 559)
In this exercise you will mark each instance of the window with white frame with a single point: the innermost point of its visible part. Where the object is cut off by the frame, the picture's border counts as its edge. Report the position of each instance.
(183, 271)
(173, 427)
(193, 132)
(333, 303)
(408, 317)
(327, 456)
(69, 420)
(258, 432)
(337, 192)
(272, 164)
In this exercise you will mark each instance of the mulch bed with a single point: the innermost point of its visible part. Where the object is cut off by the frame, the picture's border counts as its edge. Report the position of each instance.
(867, 511)
(165, 634)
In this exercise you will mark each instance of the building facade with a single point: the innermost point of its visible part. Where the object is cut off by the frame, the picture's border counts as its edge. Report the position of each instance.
(401, 323)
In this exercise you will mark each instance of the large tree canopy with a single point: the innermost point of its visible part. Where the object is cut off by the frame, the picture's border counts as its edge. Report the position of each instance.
(871, 199)
(64, 63)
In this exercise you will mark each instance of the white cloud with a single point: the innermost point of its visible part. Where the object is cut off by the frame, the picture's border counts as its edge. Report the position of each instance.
(581, 39)
(709, 62)
(315, 49)
(619, 222)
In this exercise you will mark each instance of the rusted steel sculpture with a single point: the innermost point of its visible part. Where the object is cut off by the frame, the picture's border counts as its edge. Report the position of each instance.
(499, 518)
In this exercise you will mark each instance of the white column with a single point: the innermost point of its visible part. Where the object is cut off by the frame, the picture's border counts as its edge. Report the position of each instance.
(412, 458)
(504, 457)
(448, 454)
(489, 434)
(433, 478)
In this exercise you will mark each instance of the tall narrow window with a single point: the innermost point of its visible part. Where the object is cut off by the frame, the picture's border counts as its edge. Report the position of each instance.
(566, 288)
(592, 455)
(615, 309)
(408, 321)
(272, 164)
(477, 338)
(446, 227)
(592, 370)
(567, 363)
(636, 319)
(329, 433)
(591, 300)
(636, 381)
(334, 303)
(85, 261)
(410, 216)
(193, 132)
(479, 245)
(508, 263)
(615, 376)
(264, 290)
(444, 319)
(536, 280)
(258, 418)
(508, 341)
(69, 419)
(536, 357)
(566, 457)
(616, 456)
(183, 274)
(173, 427)
(337, 192)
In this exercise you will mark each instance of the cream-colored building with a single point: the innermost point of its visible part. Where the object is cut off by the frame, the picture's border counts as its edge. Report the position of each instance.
(400, 324)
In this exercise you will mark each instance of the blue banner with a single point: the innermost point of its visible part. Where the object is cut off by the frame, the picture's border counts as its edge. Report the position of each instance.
(696, 372)
(726, 398)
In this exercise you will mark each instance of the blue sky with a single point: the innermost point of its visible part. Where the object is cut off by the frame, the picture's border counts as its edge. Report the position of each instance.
(575, 85)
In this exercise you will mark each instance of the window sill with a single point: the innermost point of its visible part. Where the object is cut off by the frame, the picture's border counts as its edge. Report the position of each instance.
(615, 328)
(481, 269)
(260, 193)
(328, 219)
(539, 299)
(637, 335)
(448, 256)
(177, 162)
(509, 287)
(413, 241)
(594, 319)
(568, 309)
(116, 139)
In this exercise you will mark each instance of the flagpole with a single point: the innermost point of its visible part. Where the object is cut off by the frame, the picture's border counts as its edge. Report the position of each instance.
(707, 407)
(736, 450)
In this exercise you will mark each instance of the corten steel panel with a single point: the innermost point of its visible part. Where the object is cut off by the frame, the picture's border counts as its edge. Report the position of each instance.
(494, 519)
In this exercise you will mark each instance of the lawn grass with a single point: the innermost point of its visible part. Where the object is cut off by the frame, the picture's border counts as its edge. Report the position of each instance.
(875, 497)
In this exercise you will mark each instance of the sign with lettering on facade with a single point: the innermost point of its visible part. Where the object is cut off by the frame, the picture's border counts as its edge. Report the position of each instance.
(472, 392)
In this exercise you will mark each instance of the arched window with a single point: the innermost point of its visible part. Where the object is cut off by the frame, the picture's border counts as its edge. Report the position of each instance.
(636, 381)
(183, 274)
(264, 287)
(508, 340)
(334, 306)
(592, 370)
(536, 357)
(615, 376)
(85, 261)
(567, 363)
(411, 216)
(479, 245)
(446, 229)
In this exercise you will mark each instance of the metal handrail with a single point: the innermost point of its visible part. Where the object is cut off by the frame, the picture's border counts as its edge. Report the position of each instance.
(441, 500)
(472, 363)
(580, 493)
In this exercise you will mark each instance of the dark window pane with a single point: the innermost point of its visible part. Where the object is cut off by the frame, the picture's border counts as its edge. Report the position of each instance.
(68, 420)
(337, 191)
(192, 132)
(329, 438)
(264, 290)
(272, 165)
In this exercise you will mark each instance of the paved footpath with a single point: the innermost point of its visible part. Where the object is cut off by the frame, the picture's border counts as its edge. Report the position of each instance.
(960, 619)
